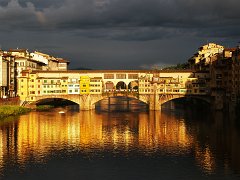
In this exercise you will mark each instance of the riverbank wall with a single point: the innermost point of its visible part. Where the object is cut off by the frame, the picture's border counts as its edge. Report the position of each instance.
(10, 101)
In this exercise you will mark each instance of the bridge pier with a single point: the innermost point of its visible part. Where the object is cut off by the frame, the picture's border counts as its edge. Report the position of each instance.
(154, 100)
(218, 103)
(86, 103)
(154, 103)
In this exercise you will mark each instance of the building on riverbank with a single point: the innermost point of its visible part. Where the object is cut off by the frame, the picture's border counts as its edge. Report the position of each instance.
(225, 75)
(205, 55)
(223, 67)
(14, 61)
(3, 76)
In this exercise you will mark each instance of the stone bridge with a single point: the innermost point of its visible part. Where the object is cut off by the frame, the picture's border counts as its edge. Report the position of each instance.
(88, 101)
(88, 87)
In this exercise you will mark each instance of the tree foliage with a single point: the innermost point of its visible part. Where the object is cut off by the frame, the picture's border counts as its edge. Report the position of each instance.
(180, 66)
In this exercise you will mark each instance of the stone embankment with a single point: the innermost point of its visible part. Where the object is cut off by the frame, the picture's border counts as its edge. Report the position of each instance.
(9, 101)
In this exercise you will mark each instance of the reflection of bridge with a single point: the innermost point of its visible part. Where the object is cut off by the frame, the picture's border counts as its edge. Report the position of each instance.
(88, 87)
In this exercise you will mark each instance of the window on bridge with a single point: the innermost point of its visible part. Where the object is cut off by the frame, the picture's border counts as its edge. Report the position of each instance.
(121, 76)
(108, 76)
(132, 76)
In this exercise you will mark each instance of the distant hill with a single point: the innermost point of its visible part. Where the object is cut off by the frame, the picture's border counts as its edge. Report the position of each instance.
(178, 67)
(81, 68)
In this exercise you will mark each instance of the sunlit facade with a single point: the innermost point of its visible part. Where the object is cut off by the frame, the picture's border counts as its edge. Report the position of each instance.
(14, 61)
(33, 84)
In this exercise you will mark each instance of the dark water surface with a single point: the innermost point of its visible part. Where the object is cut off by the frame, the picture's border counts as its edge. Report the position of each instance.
(176, 144)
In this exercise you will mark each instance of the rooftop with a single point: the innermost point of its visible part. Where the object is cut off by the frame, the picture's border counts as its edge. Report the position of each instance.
(17, 50)
(112, 71)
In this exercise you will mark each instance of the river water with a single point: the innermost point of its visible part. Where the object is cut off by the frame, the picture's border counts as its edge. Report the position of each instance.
(170, 144)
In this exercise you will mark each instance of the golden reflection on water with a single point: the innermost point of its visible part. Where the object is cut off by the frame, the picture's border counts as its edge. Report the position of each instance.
(37, 134)
(159, 130)
(205, 158)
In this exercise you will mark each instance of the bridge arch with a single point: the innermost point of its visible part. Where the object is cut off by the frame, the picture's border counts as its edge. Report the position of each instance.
(133, 85)
(109, 86)
(202, 99)
(121, 103)
(55, 101)
(121, 85)
(73, 98)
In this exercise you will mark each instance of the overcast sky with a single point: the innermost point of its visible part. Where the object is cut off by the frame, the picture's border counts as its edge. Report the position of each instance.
(119, 34)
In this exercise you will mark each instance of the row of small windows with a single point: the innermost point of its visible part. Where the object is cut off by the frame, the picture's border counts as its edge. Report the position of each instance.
(95, 80)
(58, 86)
(144, 85)
(121, 76)
(95, 90)
(46, 81)
(51, 86)
(75, 85)
(160, 80)
(29, 64)
(144, 90)
(73, 80)
(52, 81)
(144, 80)
(75, 90)
(175, 90)
(161, 90)
(20, 63)
(54, 91)
(161, 85)
(63, 91)
(95, 85)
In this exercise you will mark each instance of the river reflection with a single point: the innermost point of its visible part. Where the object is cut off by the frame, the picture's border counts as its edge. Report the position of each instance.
(211, 141)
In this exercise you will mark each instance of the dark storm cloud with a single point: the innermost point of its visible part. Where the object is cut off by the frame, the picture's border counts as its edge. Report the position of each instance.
(39, 4)
(137, 20)
(130, 33)
(14, 17)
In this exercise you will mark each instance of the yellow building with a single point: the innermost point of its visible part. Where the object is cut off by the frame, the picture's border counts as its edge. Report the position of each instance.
(84, 85)
(51, 86)
(23, 86)
(31, 85)
(96, 85)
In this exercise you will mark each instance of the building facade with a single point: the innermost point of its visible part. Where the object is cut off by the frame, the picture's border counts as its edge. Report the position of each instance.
(223, 68)
(14, 61)
(39, 84)
(3, 76)
(204, 56)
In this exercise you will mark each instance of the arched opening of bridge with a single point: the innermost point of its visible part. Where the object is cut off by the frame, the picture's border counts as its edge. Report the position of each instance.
(58, 104)
(187, 103)
(121, 104)
(121, 86)
(133, 86)
(109, 86)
